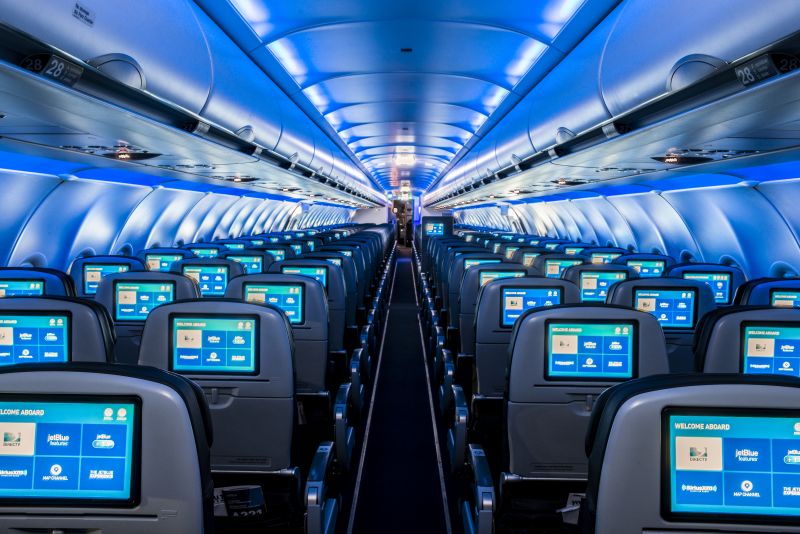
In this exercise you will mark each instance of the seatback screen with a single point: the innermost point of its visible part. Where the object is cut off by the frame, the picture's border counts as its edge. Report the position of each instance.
(604, 257)
(250, 264)
(18, 287)
(473, 262)
(287, 297)
(594, 285)
(278, 253)
(517, 300)
(571, 251)
(212, 279)
(771, 348)
(161, 262)
(133, 301)
(214, 344)
(434, 228)
(320, 274)
(510, 252)
(590, 350)
(674, 308)
(720, 284)
(38, 337)
(94, 272)
(648, 268)
(77, 449)
(721, 464)
(257, 242)
(274, 239)
(310, 245)
(206, 253)
(554, 268)
(551, 246)
(298, 249)
(781, 298)
(335, 261)
(234, 246)
(487, 276)
(528, 258)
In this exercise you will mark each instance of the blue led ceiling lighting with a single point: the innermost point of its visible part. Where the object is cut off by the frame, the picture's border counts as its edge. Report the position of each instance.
(405, 86)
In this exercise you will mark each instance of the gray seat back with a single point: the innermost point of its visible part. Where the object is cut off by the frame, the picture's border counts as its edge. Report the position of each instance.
(304, 301)
(500, 304)
(454, 274)
(527, 255)
(212, 275)
(595, 281)
(334, 290)
(129, 485)
(778, 292)
(54, 329)
(35, 281)
(242, 356)
(87, 271)
(694, 453)
(724, 280)
(471, 285)
(354, 290)
(677, 304)
(128, 299)
(751, 340)
(562, 358)
(647, 265)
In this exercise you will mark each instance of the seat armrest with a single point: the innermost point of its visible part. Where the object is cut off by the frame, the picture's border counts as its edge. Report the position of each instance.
(344, 435)
(457, 435)
(446, 383)
(479, 517)
(356, 379)
(321, 511)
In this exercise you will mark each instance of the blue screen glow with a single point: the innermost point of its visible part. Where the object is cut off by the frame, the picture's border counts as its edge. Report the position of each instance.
(771, 349)
(288, 297)
(434, 228)
(594, 351)
(21, 288)
(554, 268)
(320, 274)
(674, 308)
(298, 249)
(67, 450)
(212, 279)
(529, 257)
(234, 246)
(551, 246)
(781, 298)
(278, 253)
(572, 251)
(133, 301)
(720, 284)
(250, 264)
(40, 338)
(205, 253)
(161, 262)
(218, 345)
(517, 300)
(647, 268)
(727, 465)
(94, 272)
(594, 285)
(472, 263)
(487, 276)
(604, 257)
(510, 252)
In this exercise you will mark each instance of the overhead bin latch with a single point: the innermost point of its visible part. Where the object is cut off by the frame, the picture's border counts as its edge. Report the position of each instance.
(122, 68)
(692, 68)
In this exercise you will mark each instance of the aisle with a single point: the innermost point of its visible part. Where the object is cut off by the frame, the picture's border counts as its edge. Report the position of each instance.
(400, 487)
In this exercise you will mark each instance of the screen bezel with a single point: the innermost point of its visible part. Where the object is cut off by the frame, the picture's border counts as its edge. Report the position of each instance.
(227, 277)
(742, 331)
(123, 281)
(634, 323)
(695, 306)
(147, 258)
(772, 292)
(666, 481)
(712, 273)
(136, 461)
(663, 267)
(101, 264)
(600, 275)
(520, 272)
(548, 262)
(44, 313)
(192, 250)
(286, 284)
(213, 316)
(28, 280)
(242, 263)
(522, 288)
(327, 272)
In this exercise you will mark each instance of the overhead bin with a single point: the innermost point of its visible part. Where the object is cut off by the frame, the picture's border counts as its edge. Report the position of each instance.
(90, 29)
(644, 52)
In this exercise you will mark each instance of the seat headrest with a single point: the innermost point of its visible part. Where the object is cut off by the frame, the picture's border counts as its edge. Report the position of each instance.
(52, 282)
(779, 292)
(87, 271)
(129, 297)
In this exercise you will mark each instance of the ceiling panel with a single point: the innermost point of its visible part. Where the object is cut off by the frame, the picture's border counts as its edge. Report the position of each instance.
(416, 77)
